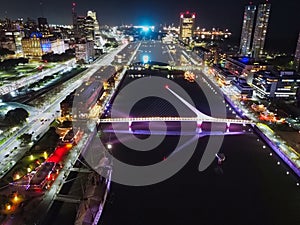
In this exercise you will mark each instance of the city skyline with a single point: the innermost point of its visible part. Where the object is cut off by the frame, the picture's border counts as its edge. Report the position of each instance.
(209, 15)
(157, 122)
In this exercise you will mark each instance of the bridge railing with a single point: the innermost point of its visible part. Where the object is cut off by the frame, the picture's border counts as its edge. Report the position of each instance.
(175, 119)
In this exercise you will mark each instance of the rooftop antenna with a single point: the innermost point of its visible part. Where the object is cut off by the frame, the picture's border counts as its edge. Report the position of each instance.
(73, 7)
(41, 8)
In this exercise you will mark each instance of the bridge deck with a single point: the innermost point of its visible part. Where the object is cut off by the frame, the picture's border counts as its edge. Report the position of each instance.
(175, 119)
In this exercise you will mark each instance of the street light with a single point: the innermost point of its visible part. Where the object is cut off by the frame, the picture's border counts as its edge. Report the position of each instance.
(8, 207)
(109, 146)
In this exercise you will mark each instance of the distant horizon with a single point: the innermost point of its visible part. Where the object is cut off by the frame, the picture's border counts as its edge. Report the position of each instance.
(285, 45)
(284, 24)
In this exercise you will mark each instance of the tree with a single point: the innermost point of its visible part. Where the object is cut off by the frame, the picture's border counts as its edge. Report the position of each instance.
(107, 45)
(16, 116)
(10, 63)
(5, 51)
(25, 138)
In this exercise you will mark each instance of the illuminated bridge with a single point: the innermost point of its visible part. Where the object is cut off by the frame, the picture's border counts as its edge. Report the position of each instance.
(200, 118)
(187, 68)
(175, 119)
(184, 68)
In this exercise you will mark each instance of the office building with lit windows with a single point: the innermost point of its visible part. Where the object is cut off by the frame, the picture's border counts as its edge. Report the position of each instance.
(297, 56)
(96, 29)
(187, 24)
(261, 26)
(43, 26)
(276, 84)
(245, 66)
(89, 29)
(12, 40)
(84, 50)
(248, 22)
(243, 88)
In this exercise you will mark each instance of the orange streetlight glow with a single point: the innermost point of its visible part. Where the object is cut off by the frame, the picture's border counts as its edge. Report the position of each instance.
(8, 207)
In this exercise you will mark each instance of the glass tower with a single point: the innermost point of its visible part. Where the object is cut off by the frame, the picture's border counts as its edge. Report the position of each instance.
(297, 55)
(260, 31)
(248, 22)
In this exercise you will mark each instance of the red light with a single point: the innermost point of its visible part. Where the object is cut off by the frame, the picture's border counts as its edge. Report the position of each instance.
(167, 86)
(74, 4)
(181, 16)
(194, 16)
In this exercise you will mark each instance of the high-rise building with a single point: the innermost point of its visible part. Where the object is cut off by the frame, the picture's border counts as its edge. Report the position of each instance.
(29, 27)
(187, 23)
(97, 35)
(297, 56)
(85, 27)
(260, 31)
(74, 18)
(80, 29)
(43, 26)
(89, 28)
(248, 22)
(92, 14)
(252, 43)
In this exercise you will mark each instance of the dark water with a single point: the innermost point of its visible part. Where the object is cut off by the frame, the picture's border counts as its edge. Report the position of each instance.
(248, 188)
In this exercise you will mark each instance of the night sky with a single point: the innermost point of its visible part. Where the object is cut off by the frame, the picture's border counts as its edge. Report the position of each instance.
(283, 30)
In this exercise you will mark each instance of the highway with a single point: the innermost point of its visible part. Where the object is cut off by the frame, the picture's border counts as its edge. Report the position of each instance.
(7, 88)
(105, 72)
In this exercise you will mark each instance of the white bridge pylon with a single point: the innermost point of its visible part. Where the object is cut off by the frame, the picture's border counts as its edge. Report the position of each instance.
(200, 117)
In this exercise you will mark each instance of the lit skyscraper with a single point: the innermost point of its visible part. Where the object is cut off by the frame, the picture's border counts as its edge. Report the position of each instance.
(74, 18)
(43, 26)
(248, 22)
(187, 22)
(97, 35)
(260, 31)
(89, 28)
(297, 56)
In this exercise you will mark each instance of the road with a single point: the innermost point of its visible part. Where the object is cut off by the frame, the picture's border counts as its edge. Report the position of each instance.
(129, 53)
(102, 69)
(49, 109)
(7, 88)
